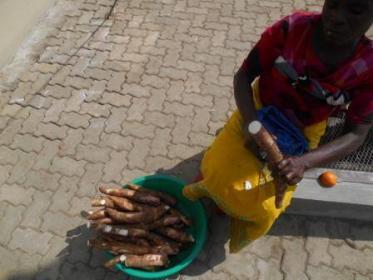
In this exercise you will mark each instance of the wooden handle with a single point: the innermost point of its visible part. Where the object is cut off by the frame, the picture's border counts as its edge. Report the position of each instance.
(266, 142)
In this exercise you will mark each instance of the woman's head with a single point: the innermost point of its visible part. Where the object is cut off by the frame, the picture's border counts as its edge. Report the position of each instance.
(345, 21)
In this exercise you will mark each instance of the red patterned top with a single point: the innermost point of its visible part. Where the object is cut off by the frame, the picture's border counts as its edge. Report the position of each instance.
(289, 40)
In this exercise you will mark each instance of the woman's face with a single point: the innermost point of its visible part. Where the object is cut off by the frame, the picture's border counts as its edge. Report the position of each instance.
(344, 21)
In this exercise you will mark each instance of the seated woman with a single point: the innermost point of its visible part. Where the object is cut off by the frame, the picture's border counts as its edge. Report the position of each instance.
(306, 66)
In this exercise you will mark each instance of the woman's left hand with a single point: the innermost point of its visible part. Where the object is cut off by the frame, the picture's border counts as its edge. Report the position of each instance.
(291, 169)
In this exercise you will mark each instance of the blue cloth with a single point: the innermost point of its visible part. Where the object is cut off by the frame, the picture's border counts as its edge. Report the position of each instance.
(290, 139)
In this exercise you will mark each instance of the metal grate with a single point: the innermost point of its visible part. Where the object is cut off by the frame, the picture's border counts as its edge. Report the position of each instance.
(361, 160)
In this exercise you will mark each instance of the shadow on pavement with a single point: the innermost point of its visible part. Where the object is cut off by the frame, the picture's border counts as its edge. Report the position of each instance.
(76, 261)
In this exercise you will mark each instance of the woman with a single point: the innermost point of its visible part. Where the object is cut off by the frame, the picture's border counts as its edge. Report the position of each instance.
(307, 66)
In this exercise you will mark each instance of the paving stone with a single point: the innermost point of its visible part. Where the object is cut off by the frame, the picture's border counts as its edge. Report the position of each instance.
(136, 90)
(42, 180)
(8, 156)
(156, 164)
(74, 120)
(116, 65)
(114, 122)
(67, 166)
(111, 275)
(154, 65)
(220, 109)
(360, 236)
(155, 81)
(78, 205)
(155, 103)
(11, 110)
(51, 131)
(190, 66)
(117, 51)
(88, 183)
(181, 131)
(62, 197)
(116, 81)
(267, 247)
(208, 59)
(30, 241)
(193, 84)
(174, 93)
(53, 259)
(94, 109)
(137, 130)
(201, 120)
(3, 122)
(57, 91)
(137, 109)
(137, 156)
(16, 194)
(53, 113)
(358, 260)
(294, 260)
(27, 143)
(7, 135)
(201, 139)
(135, 73)
(70, 143)
(113, 168)
(269, 270)
(19, 172)
(95, 92)
(39, 101)
(171, 57)
(45, 156)
(116, 141)
(4, 173)
(19, 94)
(97, 74)
(317, 245)
(116, 99)
(159, 119)
(81, 271)
(78, 82)
(325, 272)
(92, 153)
(232, 265)
(183, 151)
(27, 264)
(178, 109)
(172, 73)
(28, 76)
(59, 223)
(9, 265)
(215, 126)
(92, 134)
(75, 101)
(10, 220)
(40, 203)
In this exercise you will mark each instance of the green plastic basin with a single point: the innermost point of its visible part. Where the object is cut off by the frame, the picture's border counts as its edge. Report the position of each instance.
(193, 210)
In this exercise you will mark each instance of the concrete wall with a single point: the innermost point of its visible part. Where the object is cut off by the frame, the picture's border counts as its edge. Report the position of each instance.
(17, 18)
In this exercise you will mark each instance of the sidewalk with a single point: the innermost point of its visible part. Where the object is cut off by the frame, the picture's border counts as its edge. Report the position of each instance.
(124, 88)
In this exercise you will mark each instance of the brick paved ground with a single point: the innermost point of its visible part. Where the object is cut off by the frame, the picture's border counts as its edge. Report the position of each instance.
(122, 88)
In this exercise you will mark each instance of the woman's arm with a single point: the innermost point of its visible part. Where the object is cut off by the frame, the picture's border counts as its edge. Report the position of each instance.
(293, 168)
(338, 148)
(242, 87)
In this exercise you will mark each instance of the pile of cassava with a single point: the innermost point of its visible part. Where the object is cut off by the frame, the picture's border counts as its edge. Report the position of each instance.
(139, 226)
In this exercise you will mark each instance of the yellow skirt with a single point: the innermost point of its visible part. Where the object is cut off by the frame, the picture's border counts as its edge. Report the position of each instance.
(228, 168)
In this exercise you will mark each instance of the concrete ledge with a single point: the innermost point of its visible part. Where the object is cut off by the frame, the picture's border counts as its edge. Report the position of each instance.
(351, 198)
(17, 19)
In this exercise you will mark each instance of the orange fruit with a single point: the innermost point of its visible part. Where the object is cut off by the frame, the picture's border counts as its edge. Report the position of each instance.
(328, 179)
